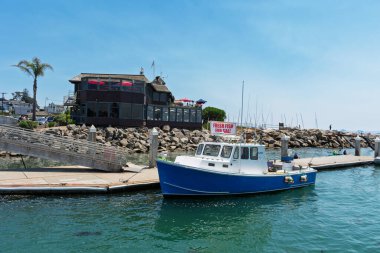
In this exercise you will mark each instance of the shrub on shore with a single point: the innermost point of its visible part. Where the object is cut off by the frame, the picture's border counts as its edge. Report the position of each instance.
(28, 124)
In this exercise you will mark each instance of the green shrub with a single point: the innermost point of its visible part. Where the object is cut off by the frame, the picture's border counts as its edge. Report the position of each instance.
(64, 119)
(28, 124)
(51, 124)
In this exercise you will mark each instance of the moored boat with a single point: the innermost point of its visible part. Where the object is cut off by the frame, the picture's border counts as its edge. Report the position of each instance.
(223, 168)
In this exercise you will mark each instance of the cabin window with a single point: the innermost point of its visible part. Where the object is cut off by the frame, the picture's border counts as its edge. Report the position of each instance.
(226, 151)
(211, 150)
(236, 153)
(244, 153)
(199, 149)
(254, 153)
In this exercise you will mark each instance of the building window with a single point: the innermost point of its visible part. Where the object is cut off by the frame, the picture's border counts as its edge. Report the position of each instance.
(193, 115)
(156, 96)
(157, 113)
(125, 111)
(103, 109)
(165, 114)
(149, 112)
(199, 116)
(172, 114)
(83, 109)
(114, 110)
(137, 111)
(179, 115)
(186, 115)
(91, 109)
(163, 97)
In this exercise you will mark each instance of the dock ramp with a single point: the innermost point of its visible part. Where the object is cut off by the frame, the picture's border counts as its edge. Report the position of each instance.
(62, 149)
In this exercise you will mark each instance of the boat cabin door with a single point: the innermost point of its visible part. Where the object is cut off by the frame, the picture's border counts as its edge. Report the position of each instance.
(244, 158)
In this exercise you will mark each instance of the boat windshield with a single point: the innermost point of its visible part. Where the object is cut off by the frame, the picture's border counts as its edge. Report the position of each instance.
(211, 150)
(226, 151)
(199, 149)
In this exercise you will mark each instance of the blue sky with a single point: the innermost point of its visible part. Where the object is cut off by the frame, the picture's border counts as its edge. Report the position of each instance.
(296, 57)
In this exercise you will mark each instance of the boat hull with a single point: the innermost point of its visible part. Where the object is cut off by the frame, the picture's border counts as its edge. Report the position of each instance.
(180, 180)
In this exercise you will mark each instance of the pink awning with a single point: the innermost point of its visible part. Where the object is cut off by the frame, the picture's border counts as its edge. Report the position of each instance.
(126, 84)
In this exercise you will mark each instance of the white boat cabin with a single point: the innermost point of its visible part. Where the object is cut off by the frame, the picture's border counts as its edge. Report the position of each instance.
(244, 158)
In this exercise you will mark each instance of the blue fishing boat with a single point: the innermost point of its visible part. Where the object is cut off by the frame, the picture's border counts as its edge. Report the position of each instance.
(223, 168)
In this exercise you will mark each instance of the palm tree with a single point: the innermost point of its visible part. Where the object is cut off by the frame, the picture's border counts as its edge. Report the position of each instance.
(35, 69)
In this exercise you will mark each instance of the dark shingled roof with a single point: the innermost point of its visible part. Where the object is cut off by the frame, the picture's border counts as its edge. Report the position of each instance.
(78, 78)
(158, 84)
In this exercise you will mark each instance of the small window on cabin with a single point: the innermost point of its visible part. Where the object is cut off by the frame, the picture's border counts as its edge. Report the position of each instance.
(199, 149)
(244, 153)
(226, 151)
(211, 150)
(236, 153)
(254, 153)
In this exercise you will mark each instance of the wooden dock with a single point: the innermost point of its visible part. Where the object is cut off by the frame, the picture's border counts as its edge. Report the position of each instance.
(79, 179)
(73, 179)
(334, 162)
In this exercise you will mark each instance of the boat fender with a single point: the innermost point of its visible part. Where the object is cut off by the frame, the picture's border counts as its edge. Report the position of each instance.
(289, 180)
(303, 178)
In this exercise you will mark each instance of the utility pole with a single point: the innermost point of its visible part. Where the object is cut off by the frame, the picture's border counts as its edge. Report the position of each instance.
(2, 102)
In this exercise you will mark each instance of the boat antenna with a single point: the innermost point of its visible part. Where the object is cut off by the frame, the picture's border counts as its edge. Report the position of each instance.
(241, 114)
(241, 124)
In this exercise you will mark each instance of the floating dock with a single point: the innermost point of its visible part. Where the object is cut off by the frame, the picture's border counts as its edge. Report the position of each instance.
(74, 179)
(333, 162)
(79, 179)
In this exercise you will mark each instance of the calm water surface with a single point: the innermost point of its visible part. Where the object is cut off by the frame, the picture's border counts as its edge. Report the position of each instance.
(339, 214)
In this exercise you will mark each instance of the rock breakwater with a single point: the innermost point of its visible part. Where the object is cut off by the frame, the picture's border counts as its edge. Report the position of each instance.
(136, 140)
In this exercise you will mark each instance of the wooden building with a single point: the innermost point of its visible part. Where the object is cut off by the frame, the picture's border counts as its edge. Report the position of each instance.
(128, 101)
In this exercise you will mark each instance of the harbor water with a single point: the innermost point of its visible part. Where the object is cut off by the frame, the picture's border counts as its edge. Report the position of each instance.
(339, 214)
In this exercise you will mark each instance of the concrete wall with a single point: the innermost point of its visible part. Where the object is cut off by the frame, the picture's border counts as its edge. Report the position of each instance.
(5, 120)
